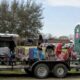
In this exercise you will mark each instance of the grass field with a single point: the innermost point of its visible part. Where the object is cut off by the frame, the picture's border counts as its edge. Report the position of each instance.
(21, 71)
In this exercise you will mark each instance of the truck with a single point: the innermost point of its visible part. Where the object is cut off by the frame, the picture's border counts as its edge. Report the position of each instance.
(39, 68)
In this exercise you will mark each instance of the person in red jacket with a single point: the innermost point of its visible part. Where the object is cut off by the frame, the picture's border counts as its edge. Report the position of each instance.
(58, 49)
(60, 54)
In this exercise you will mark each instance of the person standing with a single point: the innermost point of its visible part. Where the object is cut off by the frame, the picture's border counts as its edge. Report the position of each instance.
(39, 47)
(12, 46)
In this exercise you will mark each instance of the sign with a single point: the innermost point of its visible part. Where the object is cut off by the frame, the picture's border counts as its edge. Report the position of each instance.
(77, 35)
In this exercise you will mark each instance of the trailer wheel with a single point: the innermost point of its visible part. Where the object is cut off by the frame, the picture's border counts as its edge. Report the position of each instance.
(41, 71)
(60, 70)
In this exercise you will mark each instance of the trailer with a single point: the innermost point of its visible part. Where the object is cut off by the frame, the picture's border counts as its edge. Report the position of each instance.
(39, 68)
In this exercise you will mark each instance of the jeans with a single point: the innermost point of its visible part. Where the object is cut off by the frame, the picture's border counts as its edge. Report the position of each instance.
(12, 56)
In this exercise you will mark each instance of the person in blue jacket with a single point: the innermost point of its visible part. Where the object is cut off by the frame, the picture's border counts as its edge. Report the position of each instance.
(39, 47)
(36, 54)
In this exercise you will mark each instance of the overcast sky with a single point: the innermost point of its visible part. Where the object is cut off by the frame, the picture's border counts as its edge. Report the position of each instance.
(60, 16)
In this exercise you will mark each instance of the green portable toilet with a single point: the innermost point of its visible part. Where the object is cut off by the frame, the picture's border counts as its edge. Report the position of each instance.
(77, 39)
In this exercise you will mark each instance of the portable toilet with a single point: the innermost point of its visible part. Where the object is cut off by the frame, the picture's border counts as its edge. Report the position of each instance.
(77, 39)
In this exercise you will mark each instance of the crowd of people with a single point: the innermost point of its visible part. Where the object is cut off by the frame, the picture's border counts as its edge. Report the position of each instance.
(57, 52)
(51, 52)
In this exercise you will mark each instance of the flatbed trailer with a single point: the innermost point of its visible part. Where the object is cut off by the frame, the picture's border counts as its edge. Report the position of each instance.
(42, 68)
(2, 67)
(59, 69)
(22, 66)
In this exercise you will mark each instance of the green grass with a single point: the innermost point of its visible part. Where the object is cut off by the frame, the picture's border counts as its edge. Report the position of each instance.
(23, 72)
(12, 71)
(73, 71)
